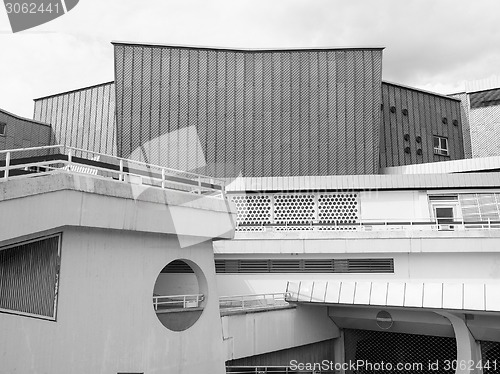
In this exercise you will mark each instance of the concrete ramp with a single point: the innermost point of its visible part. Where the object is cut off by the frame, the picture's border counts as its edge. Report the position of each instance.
(258, 332)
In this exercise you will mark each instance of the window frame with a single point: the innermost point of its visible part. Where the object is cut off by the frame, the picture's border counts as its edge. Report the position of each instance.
(440, 150)
(3, 129)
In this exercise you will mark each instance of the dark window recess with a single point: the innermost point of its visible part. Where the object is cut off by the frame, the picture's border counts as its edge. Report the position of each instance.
(407, 149)
(441, 146)
(407, 137)
(419, 152)
(485, 98)
(369, 265)
(393, 109)
(29, 275)
(3, 127)
(443, 197)
(405, 112)
(445, 120)
(444, 215)
(418, 139)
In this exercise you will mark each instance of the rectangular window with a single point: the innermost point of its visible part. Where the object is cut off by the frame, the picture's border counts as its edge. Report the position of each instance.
(3, 126)
(29, 277)
(440, 146)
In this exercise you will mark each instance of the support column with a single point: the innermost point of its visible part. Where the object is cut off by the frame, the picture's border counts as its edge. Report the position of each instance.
(468, 350)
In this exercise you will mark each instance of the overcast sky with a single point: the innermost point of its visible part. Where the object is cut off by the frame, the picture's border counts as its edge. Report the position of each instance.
(436, 45)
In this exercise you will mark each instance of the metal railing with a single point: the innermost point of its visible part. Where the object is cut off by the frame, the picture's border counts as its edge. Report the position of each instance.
(177, 301)
(372, 225)
(255, 301)
(271, 369)
(37, 161)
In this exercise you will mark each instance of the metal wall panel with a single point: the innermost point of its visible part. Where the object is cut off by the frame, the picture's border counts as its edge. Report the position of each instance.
(23, 133)
(261, 113)
(407, 111)
(82, 118)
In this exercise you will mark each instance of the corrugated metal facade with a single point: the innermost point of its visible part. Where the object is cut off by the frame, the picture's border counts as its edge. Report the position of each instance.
(82, 118)
(264, 113)
(29, 277)
(407, 114)
(23, 133)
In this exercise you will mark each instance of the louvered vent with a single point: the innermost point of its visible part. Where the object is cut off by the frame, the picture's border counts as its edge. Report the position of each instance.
(370, 265)
(29, 275)
(177, 266)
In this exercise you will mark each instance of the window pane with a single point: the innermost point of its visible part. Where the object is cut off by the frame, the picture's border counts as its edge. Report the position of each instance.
(436, 142)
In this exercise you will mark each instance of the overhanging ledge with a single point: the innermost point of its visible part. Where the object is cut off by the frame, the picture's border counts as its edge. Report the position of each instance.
(50, 201)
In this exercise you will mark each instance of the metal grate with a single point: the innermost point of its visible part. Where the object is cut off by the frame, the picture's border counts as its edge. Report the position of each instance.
(177, 266)
(490, 356)
(404, 353)
(368, 265)
(29, 275)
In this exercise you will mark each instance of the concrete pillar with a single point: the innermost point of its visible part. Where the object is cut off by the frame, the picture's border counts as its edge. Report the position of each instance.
(468, 350)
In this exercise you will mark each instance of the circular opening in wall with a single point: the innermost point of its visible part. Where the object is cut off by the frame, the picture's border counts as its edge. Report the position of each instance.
(419, 152)
(393, 109)
(445, 120)
(180, 295)
(407, 137)
(407, 150)
(405, 112)
(455, 122)
(418, 139)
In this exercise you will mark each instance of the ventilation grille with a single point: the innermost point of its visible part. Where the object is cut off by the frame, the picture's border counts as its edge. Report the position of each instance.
(378, 265)
(177, 266)
(29, 277)
(397, 348)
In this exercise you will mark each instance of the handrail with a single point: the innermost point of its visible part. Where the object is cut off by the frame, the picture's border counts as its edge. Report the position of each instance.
(177, 301)
(374, 225)
(113, 167)
(253, 301)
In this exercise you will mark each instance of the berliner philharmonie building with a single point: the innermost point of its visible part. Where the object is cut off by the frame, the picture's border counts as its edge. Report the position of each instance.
(250, 211)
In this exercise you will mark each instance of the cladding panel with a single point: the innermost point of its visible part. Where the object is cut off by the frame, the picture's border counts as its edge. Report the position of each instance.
(427, 115)
(83, 118)
(265, 113)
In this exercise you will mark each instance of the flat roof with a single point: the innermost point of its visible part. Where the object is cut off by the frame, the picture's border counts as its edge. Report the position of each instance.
(365, 182)
(241, 49)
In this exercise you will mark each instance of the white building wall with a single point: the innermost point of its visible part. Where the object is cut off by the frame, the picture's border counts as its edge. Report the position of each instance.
(394, 205)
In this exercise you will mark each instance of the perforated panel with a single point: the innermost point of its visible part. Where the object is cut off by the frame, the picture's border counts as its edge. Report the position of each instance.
(294, 208)
(338, 208)
(253, 209)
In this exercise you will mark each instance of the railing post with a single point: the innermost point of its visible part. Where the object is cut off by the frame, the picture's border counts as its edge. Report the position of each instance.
(489, 223)
(199, 185)
(120, 178)
(7, 164)
(162, 178)
(70, 159)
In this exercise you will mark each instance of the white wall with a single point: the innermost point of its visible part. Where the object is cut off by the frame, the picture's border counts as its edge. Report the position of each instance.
(252, 334)
(105, 318)
(394, 205)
